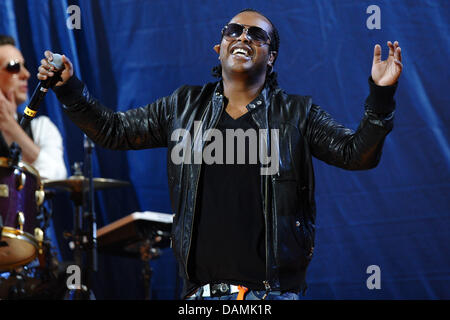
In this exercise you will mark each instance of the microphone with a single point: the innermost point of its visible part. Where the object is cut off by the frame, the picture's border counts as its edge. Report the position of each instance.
(41, 90)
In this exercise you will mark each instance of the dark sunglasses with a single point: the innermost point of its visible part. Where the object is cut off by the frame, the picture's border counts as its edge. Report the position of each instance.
(14, 66)
(257, 35)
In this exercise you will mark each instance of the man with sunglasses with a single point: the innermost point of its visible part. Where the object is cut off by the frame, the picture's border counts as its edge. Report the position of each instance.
(238, 233)
(41, 142)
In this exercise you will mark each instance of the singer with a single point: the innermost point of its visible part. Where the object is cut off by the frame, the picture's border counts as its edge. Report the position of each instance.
(238, 234)
(40, 141)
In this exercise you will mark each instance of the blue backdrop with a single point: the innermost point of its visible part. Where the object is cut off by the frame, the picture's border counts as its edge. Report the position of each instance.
(396, 216)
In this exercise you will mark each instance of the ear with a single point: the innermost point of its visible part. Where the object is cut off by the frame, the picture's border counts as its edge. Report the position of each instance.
(216, 48)
(272, 57)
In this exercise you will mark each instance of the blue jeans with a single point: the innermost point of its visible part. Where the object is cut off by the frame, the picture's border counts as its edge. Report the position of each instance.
(250, 295)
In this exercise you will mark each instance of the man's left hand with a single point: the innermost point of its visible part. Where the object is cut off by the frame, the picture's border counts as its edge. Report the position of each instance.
(387, 72)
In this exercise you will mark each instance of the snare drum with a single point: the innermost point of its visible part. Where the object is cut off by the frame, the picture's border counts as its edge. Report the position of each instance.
(21, 195)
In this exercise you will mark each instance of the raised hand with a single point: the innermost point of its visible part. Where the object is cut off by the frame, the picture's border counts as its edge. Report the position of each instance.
(46, 69)
(387, 72)
(7, 110)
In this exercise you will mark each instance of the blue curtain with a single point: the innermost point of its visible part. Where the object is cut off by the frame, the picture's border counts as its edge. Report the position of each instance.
(396, 216)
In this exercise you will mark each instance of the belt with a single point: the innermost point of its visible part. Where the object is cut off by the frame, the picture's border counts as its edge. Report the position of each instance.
(217, 290)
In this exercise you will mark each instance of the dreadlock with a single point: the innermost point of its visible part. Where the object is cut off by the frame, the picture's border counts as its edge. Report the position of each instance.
(271, 76)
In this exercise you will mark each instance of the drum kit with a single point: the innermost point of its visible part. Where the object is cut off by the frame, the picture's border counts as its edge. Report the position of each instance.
(28, 265)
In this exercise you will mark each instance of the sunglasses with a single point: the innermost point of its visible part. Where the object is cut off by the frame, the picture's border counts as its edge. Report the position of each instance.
(257, 35)
(14, 66)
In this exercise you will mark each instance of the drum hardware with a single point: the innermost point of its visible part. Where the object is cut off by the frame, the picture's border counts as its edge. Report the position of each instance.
(40, 197)
(139, 235)
(74, 184)
(148, 253)
(45, 212)
(20, 179)
(90, 215)
(82, 239)
(39, 235)
(44, 219)
(20, 220)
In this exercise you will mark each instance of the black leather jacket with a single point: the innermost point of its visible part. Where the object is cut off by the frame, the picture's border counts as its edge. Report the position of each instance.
(305, 130)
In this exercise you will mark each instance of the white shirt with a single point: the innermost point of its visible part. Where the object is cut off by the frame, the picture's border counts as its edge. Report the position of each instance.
(50, 162)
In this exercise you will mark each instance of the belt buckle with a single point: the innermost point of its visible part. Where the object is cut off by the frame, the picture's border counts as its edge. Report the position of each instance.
(220, 289)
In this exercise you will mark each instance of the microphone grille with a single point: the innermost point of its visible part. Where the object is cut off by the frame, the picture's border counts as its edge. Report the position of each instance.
(57, 61)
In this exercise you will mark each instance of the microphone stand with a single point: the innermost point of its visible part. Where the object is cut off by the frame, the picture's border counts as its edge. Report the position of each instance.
(88, 191)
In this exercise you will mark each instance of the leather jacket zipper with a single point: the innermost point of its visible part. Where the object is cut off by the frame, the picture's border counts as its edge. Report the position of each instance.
(266, 219)
(268, 289)
(196, 189)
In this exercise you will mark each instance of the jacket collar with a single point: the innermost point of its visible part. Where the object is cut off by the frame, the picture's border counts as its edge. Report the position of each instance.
(258, 105)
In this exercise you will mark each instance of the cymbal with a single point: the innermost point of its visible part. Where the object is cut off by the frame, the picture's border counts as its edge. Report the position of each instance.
(76, 183)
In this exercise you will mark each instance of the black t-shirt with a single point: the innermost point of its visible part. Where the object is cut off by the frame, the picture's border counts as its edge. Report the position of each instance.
(229, 244)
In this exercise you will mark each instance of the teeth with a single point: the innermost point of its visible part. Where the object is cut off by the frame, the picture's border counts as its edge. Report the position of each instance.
(240, 50)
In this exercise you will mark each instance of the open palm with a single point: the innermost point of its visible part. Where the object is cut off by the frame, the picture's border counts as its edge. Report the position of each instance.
(387, 72)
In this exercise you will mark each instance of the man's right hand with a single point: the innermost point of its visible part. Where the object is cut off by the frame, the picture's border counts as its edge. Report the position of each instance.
(46, 69)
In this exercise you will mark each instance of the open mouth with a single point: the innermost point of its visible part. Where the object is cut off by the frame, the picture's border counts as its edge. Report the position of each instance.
(241, 52)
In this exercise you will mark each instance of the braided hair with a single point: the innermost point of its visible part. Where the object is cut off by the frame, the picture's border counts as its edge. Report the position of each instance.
(271, 76)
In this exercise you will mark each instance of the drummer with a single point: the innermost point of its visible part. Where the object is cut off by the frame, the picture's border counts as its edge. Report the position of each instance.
(41, 142)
